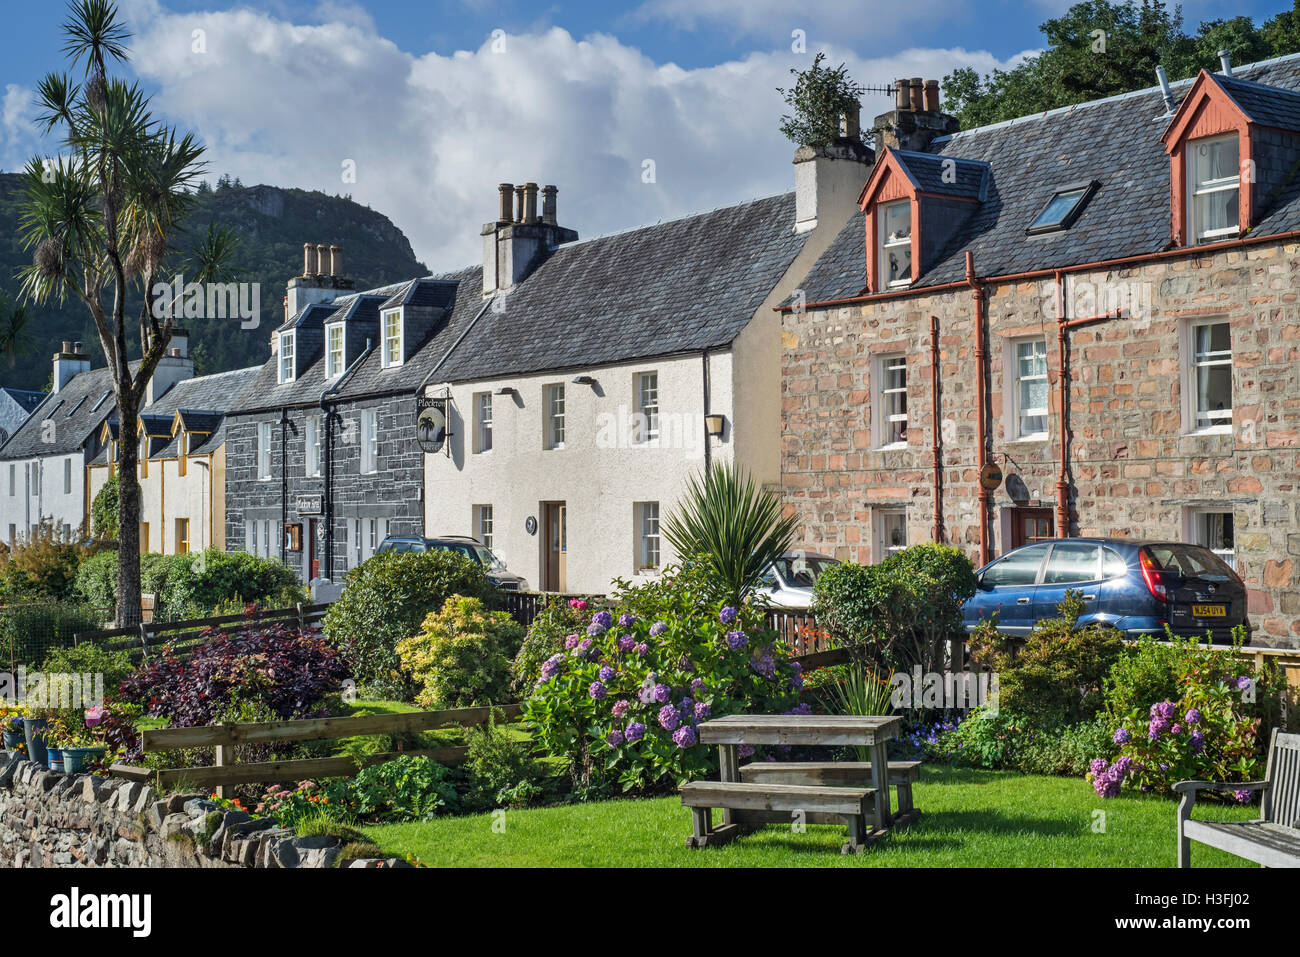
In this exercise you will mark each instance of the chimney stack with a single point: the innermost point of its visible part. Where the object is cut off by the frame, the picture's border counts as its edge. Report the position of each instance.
(520, 240)
(321, 280)
(828, 178)
(69, 361)
(916, 118)
(175, 366)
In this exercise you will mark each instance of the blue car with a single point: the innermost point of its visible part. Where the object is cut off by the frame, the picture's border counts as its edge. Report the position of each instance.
(1135, 586)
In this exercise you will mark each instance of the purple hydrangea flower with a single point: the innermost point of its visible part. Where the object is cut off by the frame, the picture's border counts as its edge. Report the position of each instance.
(1097, 766)
(570, 642)
(764, 665)
(662, 693)
(802, 708)
(1242, 795)
(614, 738)
(647, 693)
(626, 620)
(684, 664)
(736, 640)
(625, 643)
(606, 673)
(634, 732)
(657, 629)
(697, 685)
(668, 718)
(1244, 682)
(581, 648)
(745, 751)
(1165, 710)
(1176, 729)
(1198, 741)
(595, 630)
(702, 710)
(1193, 716)
(602, 618)
(728, 615)
(552, 666)
(1122, 736)
(641, 649)
(597, 690)
(621, 708)
(684, 737)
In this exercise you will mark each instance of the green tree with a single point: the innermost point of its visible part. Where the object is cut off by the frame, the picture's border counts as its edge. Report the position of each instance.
(103, 510)
(102, 217)
(15, 330)
(818, 98)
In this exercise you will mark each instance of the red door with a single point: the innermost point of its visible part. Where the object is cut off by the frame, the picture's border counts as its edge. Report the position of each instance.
(314, 546)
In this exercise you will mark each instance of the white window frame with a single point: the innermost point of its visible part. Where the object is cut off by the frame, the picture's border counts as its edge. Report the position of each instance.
(647, 406)
(1217, 421)
(482, 422)
(1197, 188)
(483, 524)
(555, 409)
(649, 539)
(264, 451)
(334, 358)
(285, 359)
(369, 441)
(1015, 413)
(883, 521)
(885, 367)
(1196, 532)
(883, 245)
(312, 446)
(393, 345)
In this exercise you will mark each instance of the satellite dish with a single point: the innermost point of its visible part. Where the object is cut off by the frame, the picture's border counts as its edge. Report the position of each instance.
(431, 428)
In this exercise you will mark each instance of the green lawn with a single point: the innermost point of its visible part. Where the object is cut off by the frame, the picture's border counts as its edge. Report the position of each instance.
(970, 818)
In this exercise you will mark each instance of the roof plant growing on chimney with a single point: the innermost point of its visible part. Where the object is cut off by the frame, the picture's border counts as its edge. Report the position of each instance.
(818, 98)
(103, 216)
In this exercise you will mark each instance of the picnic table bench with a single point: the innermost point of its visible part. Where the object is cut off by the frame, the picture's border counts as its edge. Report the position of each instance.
(856, 793)
(1273, 839)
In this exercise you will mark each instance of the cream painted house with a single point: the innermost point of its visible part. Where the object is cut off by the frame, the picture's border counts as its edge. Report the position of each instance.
(598, 377)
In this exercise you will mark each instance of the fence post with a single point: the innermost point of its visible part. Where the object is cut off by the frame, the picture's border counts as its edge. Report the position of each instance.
(144, 641)
(302, 618)
(222, 760)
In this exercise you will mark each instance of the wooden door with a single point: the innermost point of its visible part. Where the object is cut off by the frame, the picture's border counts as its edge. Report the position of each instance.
(1029, 525)
(554, 545)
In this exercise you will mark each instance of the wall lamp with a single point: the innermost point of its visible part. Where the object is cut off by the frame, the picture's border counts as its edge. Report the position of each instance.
(507, 390)
(714, 424)
(583, 380)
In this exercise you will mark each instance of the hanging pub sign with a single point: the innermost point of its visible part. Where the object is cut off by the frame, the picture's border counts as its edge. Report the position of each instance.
(431, 422)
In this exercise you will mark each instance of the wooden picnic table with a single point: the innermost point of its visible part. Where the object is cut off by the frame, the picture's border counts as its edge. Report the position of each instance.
(749, 800)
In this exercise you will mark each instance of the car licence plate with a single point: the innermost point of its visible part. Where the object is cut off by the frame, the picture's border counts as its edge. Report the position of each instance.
(1209, 611)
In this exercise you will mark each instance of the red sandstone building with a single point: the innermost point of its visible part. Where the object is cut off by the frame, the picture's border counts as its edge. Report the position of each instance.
(1100, 301)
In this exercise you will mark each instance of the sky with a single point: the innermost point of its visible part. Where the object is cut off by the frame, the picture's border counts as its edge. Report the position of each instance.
(638, 112)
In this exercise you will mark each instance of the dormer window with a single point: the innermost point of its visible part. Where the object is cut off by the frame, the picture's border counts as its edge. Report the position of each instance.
(334, 351)
(895, 243)
(286, 357)
(1062, 209)
(392, 338)
(1213, 187)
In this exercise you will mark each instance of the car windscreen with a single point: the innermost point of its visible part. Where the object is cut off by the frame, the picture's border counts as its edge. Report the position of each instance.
(472, 551)
(804, 570)
(1190, 561)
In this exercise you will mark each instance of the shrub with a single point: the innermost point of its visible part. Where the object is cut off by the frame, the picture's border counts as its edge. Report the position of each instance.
(622, 702)
(104, 510)
(1003, 740)
(200, 582)
(386, 599)
(1056, 675)
(558, 617)
(461, 657)
(96, 581)
(409, 788)
(28, 633)
(897, 613)
(90, 658)
(43, 566)
(286, 672)
(501, 770)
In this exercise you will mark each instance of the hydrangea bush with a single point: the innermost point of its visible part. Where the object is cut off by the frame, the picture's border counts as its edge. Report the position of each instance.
(623, 700)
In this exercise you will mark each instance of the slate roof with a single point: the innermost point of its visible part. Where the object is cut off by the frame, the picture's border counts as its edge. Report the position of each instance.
(969, 177)
(27, 399)
(75, 412)
(1266, 105)
(1115, 141)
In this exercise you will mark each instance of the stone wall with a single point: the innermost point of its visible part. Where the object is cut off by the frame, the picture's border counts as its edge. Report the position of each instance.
(84, 820)
(1136, 467)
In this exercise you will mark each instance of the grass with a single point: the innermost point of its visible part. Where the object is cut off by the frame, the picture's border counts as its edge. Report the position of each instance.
(970, 818)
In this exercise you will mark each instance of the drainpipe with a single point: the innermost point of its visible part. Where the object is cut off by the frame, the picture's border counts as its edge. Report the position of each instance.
(328, 510)
(705, 373)
(1063, 326)
(981, 396)
(936, 456)
(284, 482)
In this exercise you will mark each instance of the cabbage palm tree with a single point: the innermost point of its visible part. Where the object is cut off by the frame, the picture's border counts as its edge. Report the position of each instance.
(732, 525)
(101, 218)
(15, 330)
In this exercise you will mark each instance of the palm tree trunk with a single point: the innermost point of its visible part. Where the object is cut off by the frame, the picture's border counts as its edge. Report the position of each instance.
(128, 525)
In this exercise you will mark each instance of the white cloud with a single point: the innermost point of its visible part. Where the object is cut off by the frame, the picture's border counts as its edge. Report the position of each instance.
(18, 137)
(433, 135)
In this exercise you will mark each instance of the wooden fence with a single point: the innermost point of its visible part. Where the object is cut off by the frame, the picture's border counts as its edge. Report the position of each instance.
(140, 639)
(225, 773)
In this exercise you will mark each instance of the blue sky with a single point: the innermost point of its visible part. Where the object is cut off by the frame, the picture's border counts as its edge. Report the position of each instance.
(416, 98)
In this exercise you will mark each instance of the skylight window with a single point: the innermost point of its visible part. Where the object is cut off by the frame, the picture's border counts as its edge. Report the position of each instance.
(95, 408)
(1063, 209)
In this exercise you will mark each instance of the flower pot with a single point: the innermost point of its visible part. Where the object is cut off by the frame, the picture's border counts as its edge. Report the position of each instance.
(12, 739)
(75, 759)
(35, 733)
(54, 759)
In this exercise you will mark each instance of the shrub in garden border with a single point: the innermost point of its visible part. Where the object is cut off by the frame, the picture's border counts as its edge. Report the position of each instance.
(558, 617)
(461, 657)
(621, 703)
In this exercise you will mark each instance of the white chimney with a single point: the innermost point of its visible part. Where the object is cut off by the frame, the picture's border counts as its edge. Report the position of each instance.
(69, 361)
(828, 179)
(172, 368)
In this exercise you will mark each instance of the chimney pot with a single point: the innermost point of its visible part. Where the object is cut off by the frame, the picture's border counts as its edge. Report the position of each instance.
(917, 94)
(76, 347)
(932, 96)
(1225, 62)
(902, 95)
(336, 261)
(67, 346)
(530, 203)
(519, 204)
(851, 122)
(548, 205)
(507, 191)
(308, 259)
(322, 258)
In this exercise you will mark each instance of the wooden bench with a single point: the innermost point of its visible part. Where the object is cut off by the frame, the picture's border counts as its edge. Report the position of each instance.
(1272, 840)
(902, 775)
(848, 804)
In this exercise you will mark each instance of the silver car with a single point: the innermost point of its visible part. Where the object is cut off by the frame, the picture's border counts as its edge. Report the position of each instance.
(788, 581)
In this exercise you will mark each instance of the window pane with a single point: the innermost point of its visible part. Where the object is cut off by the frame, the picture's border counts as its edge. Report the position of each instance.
(1031, 387)
(1073, 562)
(896, 242)
(1212, 370)
(1018, 568)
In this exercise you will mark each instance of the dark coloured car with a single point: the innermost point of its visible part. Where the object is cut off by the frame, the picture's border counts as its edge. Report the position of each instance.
(463, 545)
(1135, 586)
